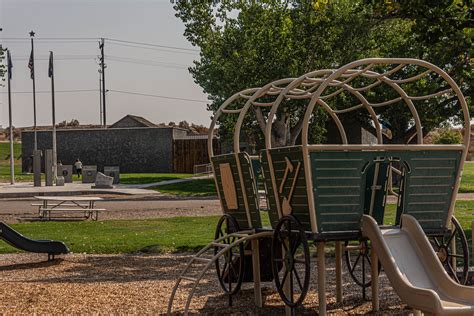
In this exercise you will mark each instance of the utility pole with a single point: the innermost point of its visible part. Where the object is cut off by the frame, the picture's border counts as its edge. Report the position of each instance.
(103, 66)
(100, 97)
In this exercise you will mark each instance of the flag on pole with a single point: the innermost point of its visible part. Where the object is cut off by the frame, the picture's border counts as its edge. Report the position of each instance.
(50, 68)
(9, 65)
(31, 65)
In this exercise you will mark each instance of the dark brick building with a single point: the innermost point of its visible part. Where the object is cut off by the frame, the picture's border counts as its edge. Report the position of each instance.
(127, 144)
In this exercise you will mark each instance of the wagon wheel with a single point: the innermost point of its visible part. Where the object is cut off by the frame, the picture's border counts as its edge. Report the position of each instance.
(229, 266)
(359, 263)
(292, 264)
(455, 261)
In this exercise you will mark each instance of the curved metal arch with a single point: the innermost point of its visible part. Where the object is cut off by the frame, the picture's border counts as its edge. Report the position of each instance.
(268, 89)
(381, 78)
(287, 94)
(348, 69)
(308, 79)
(403, 96)
(244, 94)
(317, 96)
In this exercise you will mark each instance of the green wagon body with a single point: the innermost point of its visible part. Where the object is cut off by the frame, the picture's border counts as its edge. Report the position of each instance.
(343, 182)
(245, 189)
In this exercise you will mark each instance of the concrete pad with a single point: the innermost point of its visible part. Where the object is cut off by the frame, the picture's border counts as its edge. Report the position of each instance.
(26, 189)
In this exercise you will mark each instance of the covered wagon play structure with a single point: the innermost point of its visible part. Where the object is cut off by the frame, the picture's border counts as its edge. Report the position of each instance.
(315, 194)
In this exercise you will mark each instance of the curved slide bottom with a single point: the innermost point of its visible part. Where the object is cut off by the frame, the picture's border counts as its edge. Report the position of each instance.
(415, 271)
(19, 241)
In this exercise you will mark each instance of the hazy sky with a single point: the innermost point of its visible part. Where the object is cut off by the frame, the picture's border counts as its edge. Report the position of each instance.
(148, 71)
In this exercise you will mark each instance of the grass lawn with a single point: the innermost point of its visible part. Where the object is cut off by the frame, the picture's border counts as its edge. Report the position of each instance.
(126, 178)
(199, 187)
(5, 163)
(124, 236)
(156, 235)
(467, 182)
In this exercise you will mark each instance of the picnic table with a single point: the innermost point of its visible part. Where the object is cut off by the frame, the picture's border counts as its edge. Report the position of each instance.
(84, 204)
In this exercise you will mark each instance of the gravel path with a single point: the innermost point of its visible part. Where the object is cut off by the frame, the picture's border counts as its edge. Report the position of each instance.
(141, 284)
(118, 207)
(133, 207)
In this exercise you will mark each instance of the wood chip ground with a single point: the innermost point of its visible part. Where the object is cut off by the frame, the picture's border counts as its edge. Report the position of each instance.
(141, 284)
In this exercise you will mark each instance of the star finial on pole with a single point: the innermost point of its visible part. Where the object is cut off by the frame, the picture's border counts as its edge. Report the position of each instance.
(32, 34)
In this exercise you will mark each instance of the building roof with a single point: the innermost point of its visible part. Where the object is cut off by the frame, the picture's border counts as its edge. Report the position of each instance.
(137, 120)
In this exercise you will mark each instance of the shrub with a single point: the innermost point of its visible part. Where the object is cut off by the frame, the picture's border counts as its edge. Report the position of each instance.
(447, 136)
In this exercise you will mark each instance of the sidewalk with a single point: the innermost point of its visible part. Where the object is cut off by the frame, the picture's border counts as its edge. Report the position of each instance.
(156, 184)
(26, 189)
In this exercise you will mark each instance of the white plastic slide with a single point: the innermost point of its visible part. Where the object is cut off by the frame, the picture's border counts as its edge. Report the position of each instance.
(415, 271)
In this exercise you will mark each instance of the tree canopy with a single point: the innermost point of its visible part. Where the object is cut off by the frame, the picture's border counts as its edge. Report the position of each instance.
(251, 43)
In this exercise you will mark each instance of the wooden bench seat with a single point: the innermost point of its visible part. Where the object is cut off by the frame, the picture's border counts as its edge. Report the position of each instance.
(92, 213)
(71, 209)
(62, 204)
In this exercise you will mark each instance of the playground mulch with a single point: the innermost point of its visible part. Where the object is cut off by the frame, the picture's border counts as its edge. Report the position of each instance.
(141, 284)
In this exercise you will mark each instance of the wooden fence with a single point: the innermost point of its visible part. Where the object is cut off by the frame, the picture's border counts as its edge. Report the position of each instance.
(190, 152)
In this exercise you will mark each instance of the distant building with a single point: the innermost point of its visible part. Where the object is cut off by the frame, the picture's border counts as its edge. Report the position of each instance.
(132, 121)
(132, 143)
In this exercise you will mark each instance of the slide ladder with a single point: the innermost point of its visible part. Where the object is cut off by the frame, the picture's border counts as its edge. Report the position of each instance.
(194, 271)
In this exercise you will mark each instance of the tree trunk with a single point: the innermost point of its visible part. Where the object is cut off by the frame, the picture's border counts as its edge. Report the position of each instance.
(280, 132)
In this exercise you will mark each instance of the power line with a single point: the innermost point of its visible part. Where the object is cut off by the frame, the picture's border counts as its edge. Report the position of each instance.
(52, 38)
(157, 96)
(59, 55)
(112, 90)
(154, 49)
(59, 58)
(76, 40)
(57, 91)
(146, 62)
(26, 41)
(94, 40)
(153, 45)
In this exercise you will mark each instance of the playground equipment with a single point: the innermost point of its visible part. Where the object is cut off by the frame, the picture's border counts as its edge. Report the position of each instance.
(321, 193)
(241, 242)
(19, 241)
(414, 270)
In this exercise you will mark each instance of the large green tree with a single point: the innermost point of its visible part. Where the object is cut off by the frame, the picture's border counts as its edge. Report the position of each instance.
(250, 43)
(441, 32)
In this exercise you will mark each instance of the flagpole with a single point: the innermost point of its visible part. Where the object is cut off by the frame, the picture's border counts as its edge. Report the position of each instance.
(12, 161)
(103, 66)
(32, 60)
(51, 74)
